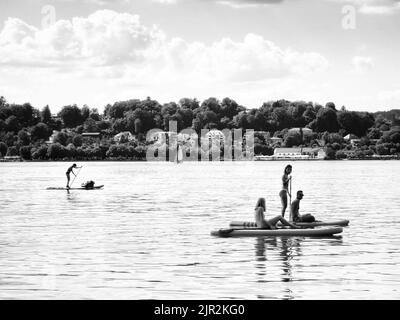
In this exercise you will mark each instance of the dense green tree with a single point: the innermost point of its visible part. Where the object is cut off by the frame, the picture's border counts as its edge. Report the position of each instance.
(382, 149)
(330, 153)
(211, 104)
(116, 111)
(240, 120)
(139, 116)
(56, 151)
(229, 108)
(12, 151)
(77, 140)
(5, 112)
(169, 109)
(3, 149)
(24, 113)
(40, 153)
(61, 138)
(24, 138)
(94, 114)
(119, 125)
(71, 150)
(40, 132)
(186, 116)
(263, 149)
(374, 133)
(25, 153)
(103, 125)
(117, 151)
(296, 112)
(190, 104)
(293, 140)
(71, 116)
(140, 152)
(391, 136)
(10, 138)
(85, 113)
(13, 124)
(281, 118)
(389, 116)
(45, 115)
(90, 125)
(356, 122)
(326, 120)
(3, 102)
(332, 138)
(340, 154)
(331, 105)
(260, 122)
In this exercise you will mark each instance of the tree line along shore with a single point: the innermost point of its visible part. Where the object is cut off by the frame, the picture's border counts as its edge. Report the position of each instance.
(84, 133)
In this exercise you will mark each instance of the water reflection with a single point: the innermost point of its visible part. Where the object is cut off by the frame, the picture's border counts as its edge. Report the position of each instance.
(287, 249)
(117, 243)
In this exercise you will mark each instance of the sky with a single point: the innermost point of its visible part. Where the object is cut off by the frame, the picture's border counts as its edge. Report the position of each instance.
(95, 52)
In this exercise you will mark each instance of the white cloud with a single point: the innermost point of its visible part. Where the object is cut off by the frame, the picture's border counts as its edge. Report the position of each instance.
(110, 54)
(104, 38)
(374, 7)
(107, 38)
(231, 3)
(362, 64)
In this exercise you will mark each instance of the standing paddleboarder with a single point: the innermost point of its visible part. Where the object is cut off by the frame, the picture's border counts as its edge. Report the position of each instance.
(69, 171)
(286, 179)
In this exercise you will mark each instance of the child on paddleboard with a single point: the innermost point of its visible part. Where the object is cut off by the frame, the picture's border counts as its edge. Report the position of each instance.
(262, 223)
(286, 178)
(69, 171)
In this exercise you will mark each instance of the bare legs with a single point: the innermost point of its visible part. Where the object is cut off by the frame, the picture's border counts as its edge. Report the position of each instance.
(284, 201)
(274, 221)
(68, 179)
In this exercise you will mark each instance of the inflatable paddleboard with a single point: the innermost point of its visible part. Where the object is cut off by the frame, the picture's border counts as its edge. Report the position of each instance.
(65, 189)
(276, 233)
(340, 223)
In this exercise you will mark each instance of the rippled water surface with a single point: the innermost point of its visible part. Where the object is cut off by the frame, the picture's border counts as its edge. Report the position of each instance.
(147, 234)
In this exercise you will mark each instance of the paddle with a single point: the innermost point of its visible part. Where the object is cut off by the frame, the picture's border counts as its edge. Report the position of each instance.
(76, 176)
(290, 200)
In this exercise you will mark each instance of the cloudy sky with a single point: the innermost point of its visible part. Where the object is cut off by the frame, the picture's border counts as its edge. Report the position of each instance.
(95, 52)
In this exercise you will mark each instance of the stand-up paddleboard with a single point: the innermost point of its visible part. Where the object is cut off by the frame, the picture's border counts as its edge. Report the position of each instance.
(323, 232)
(65, 189)
(340, 223)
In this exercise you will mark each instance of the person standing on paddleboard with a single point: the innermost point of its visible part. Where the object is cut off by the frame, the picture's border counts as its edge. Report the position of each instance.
(286, 179)
(69, 171)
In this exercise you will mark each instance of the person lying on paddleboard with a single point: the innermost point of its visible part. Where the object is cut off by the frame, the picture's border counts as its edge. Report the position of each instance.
(285, 188)
(295, 207)
(262, 223)
(69, 171)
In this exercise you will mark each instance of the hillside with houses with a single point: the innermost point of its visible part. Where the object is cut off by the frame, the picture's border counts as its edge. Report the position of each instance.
(282, 130)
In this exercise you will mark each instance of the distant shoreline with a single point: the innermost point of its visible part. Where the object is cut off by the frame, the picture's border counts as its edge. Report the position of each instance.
(270, 160)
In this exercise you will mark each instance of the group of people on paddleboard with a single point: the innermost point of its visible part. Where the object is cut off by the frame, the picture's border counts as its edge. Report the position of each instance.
(260, 208)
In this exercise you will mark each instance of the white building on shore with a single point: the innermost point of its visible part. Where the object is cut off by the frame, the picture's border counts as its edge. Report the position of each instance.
(295, 154)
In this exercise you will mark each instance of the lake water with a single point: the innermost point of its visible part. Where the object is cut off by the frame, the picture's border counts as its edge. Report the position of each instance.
(147, 234)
